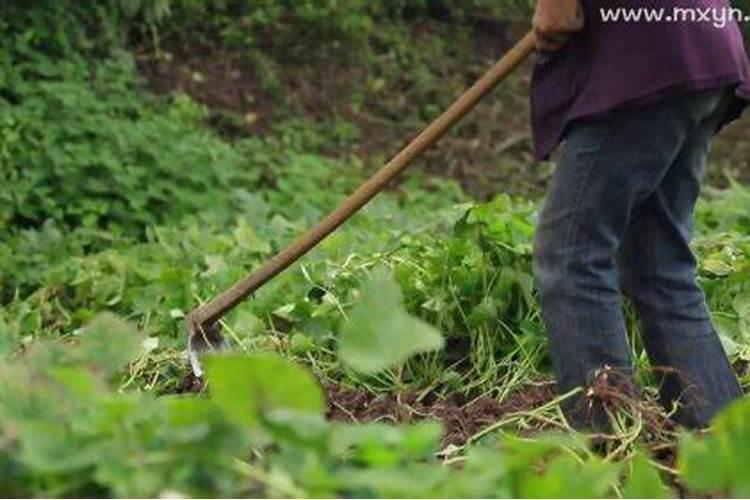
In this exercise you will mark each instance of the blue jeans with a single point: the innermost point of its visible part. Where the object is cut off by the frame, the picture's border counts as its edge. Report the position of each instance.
(618, 219)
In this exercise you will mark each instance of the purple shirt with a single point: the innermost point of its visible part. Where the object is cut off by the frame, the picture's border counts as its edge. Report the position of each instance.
(614, 64)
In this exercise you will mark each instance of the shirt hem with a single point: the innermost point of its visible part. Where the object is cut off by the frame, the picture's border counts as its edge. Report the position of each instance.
(742, 92)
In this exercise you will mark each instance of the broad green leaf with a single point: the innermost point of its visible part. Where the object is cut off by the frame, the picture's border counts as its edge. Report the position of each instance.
(109, 343)
(380, 333)
(565, 477)
(22, 397)
(49, 446)
(741, 304)
(301, 343)
(8, 342)
(567, 470)
(247, 238)
(644, 481)
(716, 266)
(194, 419)
(246, 324)
(381, 445)
(720, 461)
(522, 453)
(301, 430)
(247, 387)
(78, 381)
(414, 480)
(215, 264)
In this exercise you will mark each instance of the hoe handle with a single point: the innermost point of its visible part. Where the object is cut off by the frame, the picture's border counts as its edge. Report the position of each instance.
(209, 313)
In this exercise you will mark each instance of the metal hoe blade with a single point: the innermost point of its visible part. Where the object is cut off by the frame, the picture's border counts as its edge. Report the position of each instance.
(203, 339)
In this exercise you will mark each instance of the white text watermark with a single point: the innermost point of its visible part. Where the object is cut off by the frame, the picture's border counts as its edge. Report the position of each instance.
(718, 17)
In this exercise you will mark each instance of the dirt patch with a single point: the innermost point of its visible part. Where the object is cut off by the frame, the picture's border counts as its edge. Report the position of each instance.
(488, 152)
(218, 78)
(246, 95)
(461, 417)
(731, 154)
(191, 384)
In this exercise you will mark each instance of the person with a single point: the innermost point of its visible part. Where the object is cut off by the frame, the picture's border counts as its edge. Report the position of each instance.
(632, 105)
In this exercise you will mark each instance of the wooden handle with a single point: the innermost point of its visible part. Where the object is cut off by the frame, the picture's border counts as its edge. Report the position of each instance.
(212, 311)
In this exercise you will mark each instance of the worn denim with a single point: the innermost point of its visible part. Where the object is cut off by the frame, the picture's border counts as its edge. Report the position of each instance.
(618, 220)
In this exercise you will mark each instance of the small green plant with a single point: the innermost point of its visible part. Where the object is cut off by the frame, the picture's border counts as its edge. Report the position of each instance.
(380, 331)
(66, 430)
(717, 462)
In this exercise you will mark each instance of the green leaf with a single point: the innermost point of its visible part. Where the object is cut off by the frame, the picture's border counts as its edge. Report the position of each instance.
(380, 333)
(716, 266)
(522, 453)
(8, 342)
(248, 239)
(568, 471)
(246, 324)
(565, 477)
(719, 462)
(109, 343)
(300, 430)
(301, 343)
(78, 381)
(49, 446)
(215, 264)
(409, 481)
(249, 387)
(381, 445)
(644, 480)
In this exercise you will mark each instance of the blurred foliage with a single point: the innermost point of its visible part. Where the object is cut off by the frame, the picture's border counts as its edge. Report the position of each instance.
(345, 24)
(82, 147)
(67, 431)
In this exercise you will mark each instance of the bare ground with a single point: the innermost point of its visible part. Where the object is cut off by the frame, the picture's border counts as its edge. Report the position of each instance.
(488, 153)
(462, 418)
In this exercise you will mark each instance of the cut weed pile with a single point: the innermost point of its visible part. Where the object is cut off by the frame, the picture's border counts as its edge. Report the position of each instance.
(461, 417)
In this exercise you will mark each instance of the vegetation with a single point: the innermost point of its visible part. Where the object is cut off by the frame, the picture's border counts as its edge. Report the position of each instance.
(124, 209)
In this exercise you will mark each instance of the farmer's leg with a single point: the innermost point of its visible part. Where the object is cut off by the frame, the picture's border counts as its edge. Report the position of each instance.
(658, 273)
(607, 169)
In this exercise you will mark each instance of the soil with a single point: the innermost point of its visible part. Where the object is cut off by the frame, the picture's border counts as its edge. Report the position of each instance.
(462, 418)
(731, 154)
(191, 385)
(217, 78)
(490, 151)
(487, 153)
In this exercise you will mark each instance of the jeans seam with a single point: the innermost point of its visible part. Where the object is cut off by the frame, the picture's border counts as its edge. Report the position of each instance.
(574, 225)
(573, 229)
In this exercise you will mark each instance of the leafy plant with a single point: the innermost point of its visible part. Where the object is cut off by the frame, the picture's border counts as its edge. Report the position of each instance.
(65, 431)
(248, 388)
(380, 332)
(717, 462)
(82, 149)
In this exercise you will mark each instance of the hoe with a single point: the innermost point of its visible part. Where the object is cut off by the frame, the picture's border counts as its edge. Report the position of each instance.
(203, 326)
